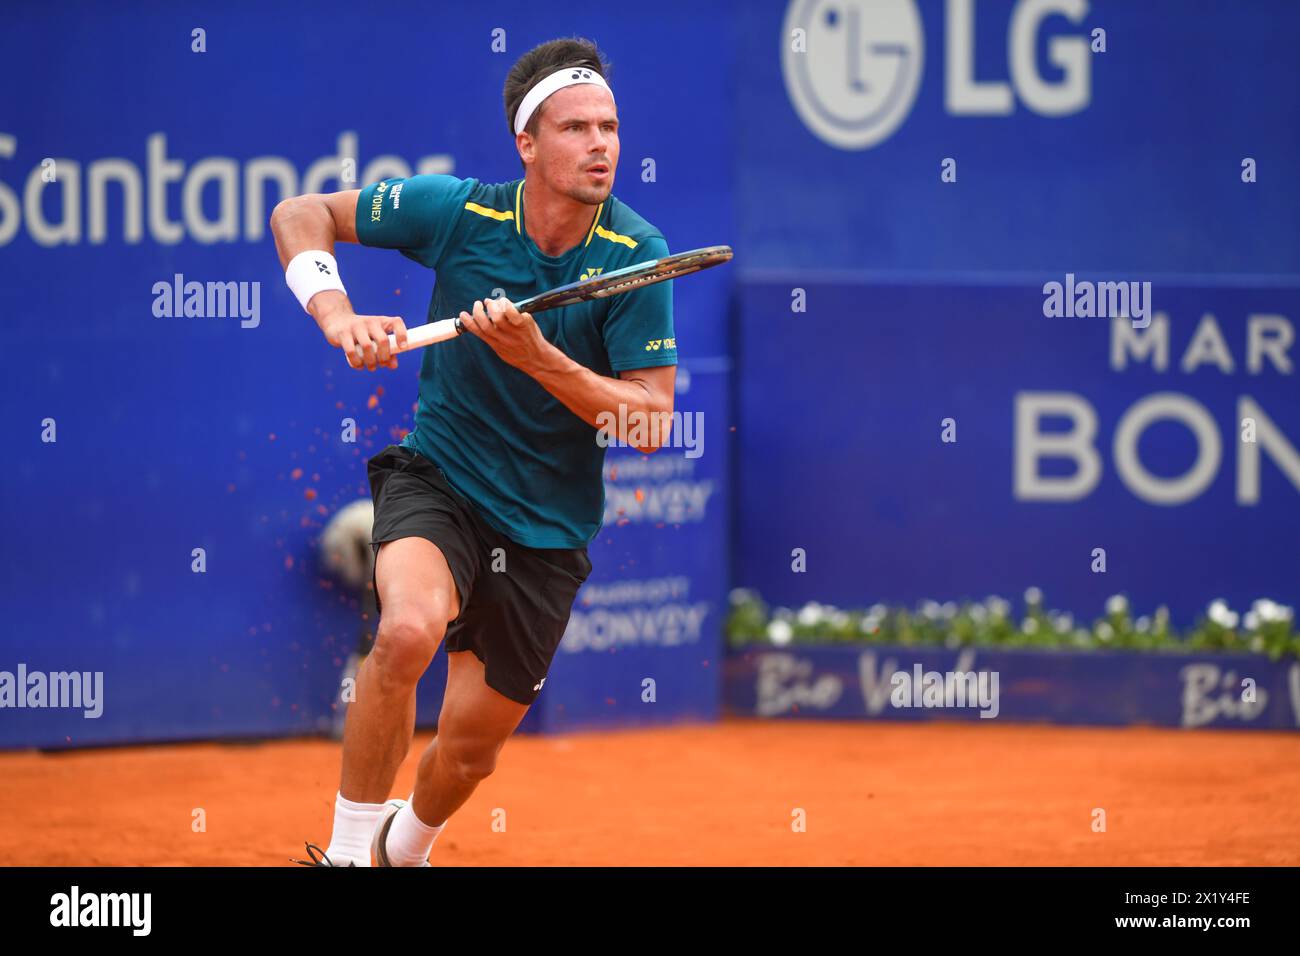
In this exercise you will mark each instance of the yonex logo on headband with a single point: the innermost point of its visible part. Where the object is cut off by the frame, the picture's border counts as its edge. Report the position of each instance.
(568, 76)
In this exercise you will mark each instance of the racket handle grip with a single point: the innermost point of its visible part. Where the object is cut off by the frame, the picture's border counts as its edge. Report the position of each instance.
(416, 338)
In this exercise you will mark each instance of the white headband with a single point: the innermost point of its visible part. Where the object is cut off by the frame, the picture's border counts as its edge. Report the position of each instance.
(569, 76)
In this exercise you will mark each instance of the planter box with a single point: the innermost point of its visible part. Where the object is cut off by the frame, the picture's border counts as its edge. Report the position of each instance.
(1104, 688)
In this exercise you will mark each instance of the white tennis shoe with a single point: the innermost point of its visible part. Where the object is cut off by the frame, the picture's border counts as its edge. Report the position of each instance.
(377, 849)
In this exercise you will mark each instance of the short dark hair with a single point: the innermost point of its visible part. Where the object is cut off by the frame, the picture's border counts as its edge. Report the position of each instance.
(540, 62)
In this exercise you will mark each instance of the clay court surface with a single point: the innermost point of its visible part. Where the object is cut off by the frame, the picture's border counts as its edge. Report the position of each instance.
(722, 794)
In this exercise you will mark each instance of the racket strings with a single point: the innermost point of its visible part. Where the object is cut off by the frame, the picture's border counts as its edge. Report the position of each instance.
(651, 278)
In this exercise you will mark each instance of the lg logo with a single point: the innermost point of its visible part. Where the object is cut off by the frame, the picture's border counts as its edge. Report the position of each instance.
(852, 68)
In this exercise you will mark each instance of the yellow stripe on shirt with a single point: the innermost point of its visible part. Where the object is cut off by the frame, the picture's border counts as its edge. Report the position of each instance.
(615, 237)
(490, 213)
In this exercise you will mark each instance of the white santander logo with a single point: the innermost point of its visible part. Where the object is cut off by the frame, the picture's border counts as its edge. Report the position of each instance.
(852, 67)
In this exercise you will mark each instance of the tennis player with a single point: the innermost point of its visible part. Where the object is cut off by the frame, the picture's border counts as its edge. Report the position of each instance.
(484, 511)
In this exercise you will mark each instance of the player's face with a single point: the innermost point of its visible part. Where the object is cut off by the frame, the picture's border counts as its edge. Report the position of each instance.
(577, 143)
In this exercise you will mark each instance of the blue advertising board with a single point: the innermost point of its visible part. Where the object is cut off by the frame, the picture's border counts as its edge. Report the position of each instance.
(644, 642)
(959, 136)
(168, 476)
(947, 442)
(1100, 688)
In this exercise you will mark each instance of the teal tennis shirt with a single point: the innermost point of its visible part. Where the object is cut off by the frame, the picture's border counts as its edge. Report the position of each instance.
(532, 467)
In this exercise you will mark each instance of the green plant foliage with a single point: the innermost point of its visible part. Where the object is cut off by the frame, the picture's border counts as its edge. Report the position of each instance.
(1267, 628)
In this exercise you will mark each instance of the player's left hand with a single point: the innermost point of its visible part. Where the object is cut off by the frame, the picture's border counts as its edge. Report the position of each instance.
(512, 334)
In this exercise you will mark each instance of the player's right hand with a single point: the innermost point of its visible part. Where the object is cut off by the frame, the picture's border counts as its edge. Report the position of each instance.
(364, 338)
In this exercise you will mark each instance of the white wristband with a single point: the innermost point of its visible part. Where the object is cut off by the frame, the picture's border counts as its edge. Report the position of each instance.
(310, 272)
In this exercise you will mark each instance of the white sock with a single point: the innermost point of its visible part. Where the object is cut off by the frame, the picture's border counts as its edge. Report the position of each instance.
(409, 841)
(354, 825)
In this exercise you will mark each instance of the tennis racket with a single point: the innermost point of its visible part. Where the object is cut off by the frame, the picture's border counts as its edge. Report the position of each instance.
(611, 283)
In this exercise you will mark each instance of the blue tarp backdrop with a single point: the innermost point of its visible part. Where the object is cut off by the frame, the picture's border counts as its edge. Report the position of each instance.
(911, 173)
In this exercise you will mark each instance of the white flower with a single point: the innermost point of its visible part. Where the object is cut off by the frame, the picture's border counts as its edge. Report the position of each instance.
(780, 632)
(1264, 609)
(1270, 611)
(1251, 620)
(1063, 622)
(1143, 624)
(1221, 615)
(1116, 604)
(870, 623)
(929, 610)
(948, 610)
(810, 614)
(1029, 625)
(1104, 631)
(997, 607)
(838, 618)
(1033, 596)
(877, 610)
(741, 596)
(978, 613)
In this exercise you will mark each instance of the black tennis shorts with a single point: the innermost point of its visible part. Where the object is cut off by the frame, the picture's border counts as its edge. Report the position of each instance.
(514, 600)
